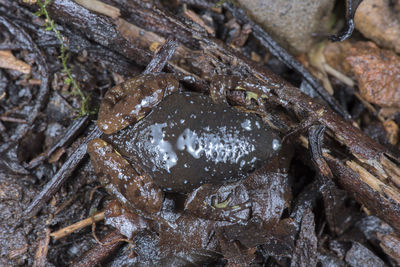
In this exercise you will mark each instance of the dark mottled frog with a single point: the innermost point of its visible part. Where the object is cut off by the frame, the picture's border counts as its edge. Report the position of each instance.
(187, 140)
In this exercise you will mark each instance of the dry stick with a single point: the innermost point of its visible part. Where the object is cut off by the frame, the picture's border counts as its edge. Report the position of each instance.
(117, 35)
(42, 249)
(76, 226)
(61, 176)
(97, 28)
(11, 119)
(162, 56)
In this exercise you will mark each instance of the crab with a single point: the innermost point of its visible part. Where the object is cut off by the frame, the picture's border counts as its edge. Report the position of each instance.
(160, 142)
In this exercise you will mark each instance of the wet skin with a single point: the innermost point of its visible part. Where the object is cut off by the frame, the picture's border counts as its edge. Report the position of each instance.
(185, 141)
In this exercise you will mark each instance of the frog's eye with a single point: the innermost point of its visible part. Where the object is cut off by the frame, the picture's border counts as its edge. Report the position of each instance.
(276, 144)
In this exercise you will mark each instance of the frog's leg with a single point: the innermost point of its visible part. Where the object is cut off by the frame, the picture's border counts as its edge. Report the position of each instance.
(136, 192)
(220, 84)
(253, 89)
(131, 100)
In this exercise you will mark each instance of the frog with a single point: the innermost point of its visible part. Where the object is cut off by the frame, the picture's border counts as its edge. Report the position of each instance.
(159, 138)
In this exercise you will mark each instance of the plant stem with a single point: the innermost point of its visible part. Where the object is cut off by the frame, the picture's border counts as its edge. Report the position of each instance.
(50, 26)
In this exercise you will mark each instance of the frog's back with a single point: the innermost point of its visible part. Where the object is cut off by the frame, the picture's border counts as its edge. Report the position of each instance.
(188, 140)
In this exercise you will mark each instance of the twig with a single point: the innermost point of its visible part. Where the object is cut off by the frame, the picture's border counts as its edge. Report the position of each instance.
(99, 29)
(196, 18)
(162, 56)
(41, 251)
(76, 226)
(11, 119)
(61, 176)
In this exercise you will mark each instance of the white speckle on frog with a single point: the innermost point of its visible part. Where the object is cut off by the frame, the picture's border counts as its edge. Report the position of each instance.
(246, 125)
(276, 144)
(122, 176)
